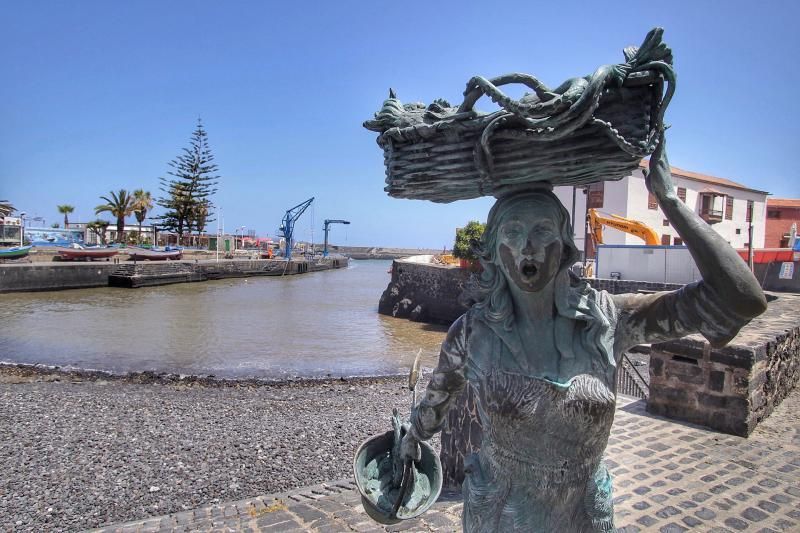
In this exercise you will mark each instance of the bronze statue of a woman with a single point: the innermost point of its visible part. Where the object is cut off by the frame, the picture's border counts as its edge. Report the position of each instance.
(541, 351)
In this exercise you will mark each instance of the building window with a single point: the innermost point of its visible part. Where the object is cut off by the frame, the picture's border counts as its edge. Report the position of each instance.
(710, 208)
(729, 208)
(738, 231)
(678, 241)
(682, 194)
(749, 214)
(773, 213)
(666, 222)
(651, 201)
(665, 240)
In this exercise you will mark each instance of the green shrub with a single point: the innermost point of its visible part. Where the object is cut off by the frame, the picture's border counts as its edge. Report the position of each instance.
(462, 248)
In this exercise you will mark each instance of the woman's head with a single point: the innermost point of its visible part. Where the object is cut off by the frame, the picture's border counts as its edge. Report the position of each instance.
(528, 242)
(528, 237)
(529, 233)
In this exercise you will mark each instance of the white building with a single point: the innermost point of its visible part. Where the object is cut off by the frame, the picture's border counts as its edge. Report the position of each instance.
(728, 206)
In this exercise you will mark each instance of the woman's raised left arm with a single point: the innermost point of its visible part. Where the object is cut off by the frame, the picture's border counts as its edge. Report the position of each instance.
(726, 299)
(720, 266)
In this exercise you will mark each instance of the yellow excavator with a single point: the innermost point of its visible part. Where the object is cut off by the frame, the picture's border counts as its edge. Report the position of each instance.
(634, 227)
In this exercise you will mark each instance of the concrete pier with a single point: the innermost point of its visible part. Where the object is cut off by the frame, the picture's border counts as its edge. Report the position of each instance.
(58, 276)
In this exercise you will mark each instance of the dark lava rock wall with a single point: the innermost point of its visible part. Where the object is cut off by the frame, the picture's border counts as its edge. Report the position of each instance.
(425, 292)
(729, 389)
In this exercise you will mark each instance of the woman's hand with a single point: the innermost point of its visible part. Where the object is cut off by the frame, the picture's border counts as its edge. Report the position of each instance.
(410, 449)
(659, 178)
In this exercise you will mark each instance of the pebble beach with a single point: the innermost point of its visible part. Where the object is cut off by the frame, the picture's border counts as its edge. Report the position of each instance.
(80, 450)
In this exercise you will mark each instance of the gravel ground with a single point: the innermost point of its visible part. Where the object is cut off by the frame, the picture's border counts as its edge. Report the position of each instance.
(80, 451)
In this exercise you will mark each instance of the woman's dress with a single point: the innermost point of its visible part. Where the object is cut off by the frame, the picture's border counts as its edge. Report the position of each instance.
(540, 464)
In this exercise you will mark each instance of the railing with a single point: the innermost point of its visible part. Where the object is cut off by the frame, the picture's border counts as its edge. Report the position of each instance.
(629, 381)
(711, 215)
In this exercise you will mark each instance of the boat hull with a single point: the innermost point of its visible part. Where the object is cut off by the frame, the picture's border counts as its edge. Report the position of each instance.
(17, 252)
(154, 255)
(85, 254)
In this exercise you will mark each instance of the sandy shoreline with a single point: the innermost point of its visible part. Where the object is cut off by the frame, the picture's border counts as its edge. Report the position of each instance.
(83, 449)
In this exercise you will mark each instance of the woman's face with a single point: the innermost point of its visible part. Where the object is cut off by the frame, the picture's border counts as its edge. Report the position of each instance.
(529, 246)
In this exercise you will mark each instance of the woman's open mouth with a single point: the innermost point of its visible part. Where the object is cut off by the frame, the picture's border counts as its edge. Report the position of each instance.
(528, 269)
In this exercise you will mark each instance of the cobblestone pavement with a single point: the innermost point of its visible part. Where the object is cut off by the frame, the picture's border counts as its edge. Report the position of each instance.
(668, 477)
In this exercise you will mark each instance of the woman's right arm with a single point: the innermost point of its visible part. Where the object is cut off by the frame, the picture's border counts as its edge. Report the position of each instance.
(446, 384)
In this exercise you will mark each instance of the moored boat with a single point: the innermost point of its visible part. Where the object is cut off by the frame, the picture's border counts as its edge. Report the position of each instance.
(17, 252)
(143, 254)
(79, 253)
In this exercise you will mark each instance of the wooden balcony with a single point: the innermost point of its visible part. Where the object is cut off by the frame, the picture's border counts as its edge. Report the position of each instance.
(711, 216)
(708, 204)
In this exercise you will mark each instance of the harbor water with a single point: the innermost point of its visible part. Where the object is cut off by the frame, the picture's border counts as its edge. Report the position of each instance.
(310, 325)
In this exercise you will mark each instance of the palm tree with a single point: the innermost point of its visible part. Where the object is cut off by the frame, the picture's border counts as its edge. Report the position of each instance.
(119, 205)
(142, 203)
(65, 210)
(6, 208)
(98, 227)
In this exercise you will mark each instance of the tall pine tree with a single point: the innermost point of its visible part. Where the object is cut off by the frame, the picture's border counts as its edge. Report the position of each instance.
(192, 181)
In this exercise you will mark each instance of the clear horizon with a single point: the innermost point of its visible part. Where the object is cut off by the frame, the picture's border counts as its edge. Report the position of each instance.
(101, 96)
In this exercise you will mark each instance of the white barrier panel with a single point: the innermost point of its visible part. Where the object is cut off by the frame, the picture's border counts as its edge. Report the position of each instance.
(662, 264)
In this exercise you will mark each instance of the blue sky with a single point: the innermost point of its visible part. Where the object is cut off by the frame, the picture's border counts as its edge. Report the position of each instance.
(102, 95)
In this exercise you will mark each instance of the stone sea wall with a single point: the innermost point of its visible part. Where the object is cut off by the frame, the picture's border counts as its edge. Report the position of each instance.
(424, 292)
(376, 252)
(54, 276)
(77, 275)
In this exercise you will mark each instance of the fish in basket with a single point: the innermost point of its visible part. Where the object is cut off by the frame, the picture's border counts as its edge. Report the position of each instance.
(587, 129)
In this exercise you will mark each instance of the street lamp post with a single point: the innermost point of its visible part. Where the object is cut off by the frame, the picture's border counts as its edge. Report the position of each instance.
(240, 231)
(22, 228)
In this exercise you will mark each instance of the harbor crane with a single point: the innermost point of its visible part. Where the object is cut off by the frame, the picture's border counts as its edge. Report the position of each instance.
(287, 224)
(326, 226)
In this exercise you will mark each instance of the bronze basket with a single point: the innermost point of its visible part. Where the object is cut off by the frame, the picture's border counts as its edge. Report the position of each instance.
(587, 130)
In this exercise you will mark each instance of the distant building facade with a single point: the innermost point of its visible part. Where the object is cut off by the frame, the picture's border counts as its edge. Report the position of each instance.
(781, 214)
(10, 231)
(729, 207)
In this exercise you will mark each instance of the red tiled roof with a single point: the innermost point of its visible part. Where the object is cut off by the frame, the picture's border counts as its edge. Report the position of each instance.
(783, 202)
(705, 178)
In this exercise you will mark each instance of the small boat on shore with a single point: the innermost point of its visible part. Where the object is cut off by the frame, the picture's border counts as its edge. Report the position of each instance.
(143, 254)
(17, 252)
(79, 253)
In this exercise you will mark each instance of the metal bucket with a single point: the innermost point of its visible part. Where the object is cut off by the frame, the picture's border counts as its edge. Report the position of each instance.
(378, 503)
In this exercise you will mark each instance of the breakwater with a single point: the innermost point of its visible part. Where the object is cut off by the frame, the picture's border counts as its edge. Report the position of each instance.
(45, 254)
(58, 276)
(379, 252)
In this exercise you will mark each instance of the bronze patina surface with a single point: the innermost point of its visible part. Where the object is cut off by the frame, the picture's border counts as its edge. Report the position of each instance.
(540, 349)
